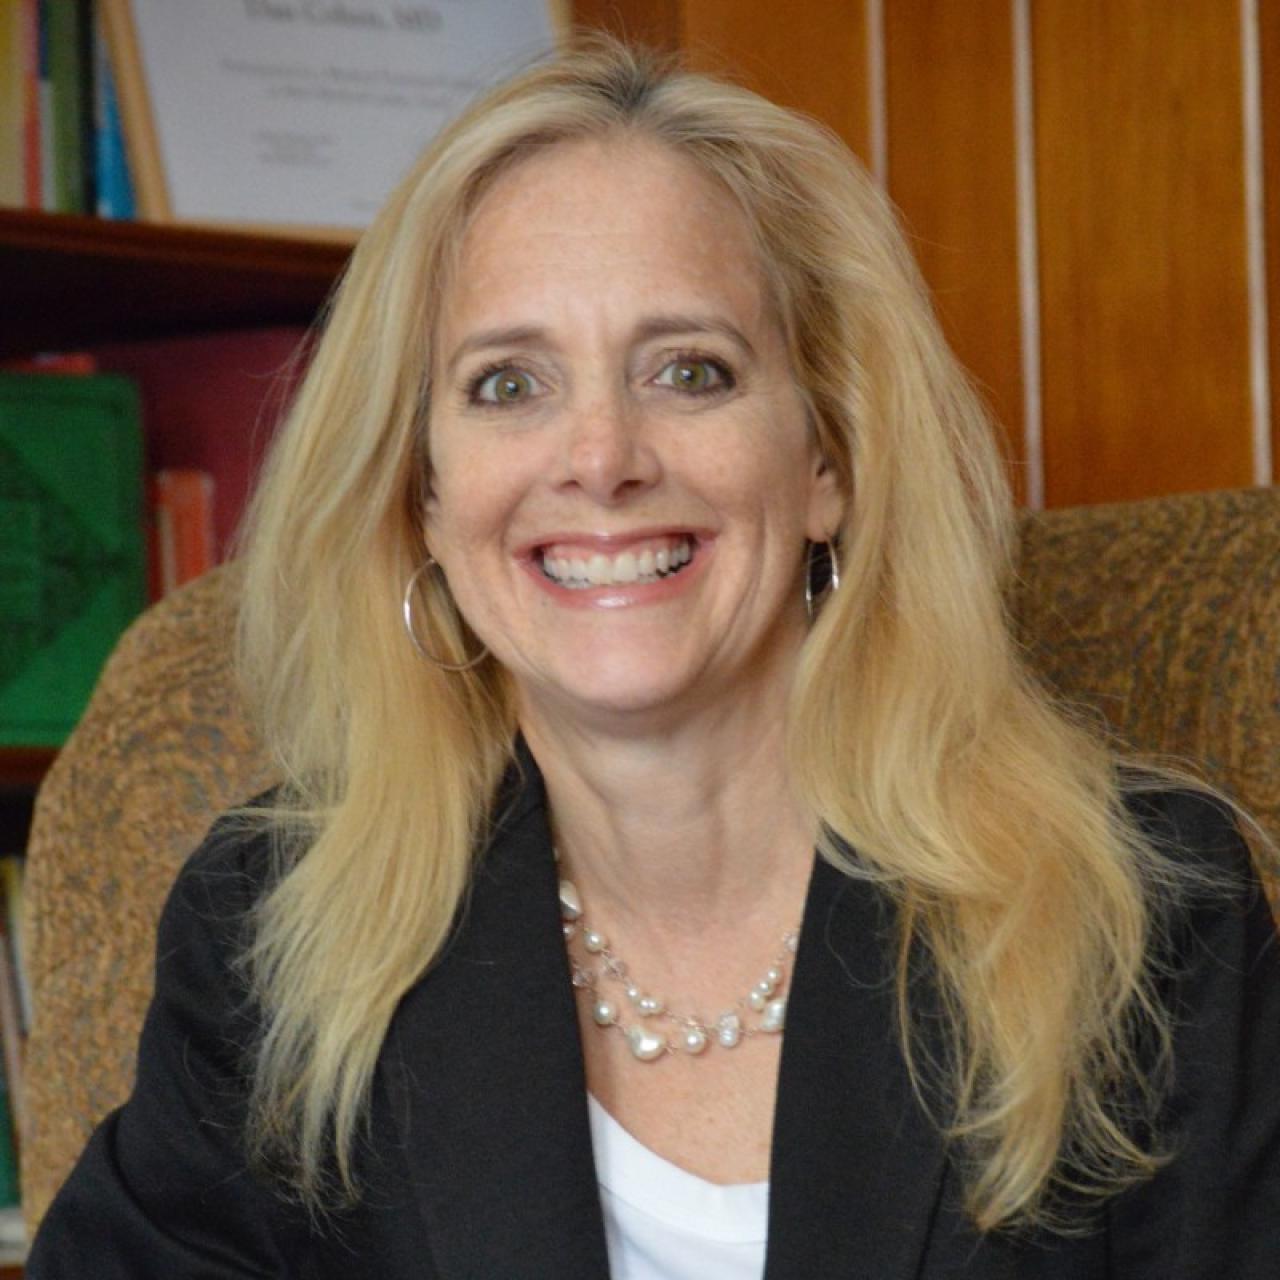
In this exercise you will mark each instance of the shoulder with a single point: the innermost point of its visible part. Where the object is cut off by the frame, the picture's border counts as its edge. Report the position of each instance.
(1197, 837)
(1180, 817)
(231, 870)
(1212, 1208)
(1213, 913)
(208, 920)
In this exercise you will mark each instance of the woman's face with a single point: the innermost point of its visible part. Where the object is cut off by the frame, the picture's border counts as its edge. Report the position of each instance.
(623, 479)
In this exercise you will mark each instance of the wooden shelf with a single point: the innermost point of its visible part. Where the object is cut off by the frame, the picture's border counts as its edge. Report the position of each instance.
(70, 282)
(23, 768)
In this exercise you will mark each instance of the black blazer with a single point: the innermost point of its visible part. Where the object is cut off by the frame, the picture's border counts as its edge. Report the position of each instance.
(477, 1161)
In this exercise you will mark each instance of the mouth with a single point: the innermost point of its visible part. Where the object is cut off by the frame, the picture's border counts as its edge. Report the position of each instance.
(646, 560)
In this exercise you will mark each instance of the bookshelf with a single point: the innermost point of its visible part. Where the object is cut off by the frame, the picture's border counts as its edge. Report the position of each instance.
(22, 768)
(70, 282)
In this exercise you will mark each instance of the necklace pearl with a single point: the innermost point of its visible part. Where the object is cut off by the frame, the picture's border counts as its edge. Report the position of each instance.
(775, 1015)
(570, 903)
(729, 1030)
(694, 1034)
(645, 1044)
(693, 1040)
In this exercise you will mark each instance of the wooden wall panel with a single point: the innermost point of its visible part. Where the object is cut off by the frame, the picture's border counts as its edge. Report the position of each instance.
(1142, 264)
(813, 58)
(952, 172)
(651, 22)
(1269, 44)
(1142, 257)
(816, 64)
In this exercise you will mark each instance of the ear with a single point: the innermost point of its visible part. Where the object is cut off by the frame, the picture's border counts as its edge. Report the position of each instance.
(827, 502)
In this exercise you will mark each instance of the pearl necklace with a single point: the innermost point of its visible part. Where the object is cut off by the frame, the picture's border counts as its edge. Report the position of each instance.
(694, 1033)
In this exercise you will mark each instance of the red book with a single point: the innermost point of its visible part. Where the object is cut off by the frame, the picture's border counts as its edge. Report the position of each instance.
(183, 545)
(53, 362)
(210, 403)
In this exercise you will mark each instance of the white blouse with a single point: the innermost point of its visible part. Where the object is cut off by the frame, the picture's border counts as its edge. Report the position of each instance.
(663, 1223)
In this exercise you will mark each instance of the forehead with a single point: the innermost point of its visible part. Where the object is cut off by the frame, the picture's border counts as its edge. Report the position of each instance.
(605, 219)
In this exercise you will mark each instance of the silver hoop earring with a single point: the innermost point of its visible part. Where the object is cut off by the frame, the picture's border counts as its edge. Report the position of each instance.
(409, 595)
(833, 581)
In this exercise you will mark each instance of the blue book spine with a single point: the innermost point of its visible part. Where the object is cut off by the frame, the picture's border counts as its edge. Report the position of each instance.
(114, 182)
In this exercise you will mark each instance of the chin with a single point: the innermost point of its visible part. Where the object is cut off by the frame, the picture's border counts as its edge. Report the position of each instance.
(608, 692)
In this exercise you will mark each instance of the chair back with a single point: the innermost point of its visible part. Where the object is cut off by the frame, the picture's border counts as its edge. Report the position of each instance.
(1161, 616)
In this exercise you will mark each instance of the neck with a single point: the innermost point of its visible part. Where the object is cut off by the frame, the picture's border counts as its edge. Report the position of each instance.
(691, 827)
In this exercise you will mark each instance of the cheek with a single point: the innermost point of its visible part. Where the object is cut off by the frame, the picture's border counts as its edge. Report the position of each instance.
(451, 476)
(450, 510)
(771, 472)
(455, 525)
(474, 499)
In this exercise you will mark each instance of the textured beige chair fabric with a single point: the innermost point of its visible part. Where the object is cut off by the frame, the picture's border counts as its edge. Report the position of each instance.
(1162, 615)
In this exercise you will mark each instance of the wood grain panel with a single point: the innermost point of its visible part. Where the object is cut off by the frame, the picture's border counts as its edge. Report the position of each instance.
(652, 22)
(1142, 256)
(1269, 43)
(952, 172)
(812, 59)
(71, 281)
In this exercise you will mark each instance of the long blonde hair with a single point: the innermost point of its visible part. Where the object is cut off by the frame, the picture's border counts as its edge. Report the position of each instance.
(915, 736)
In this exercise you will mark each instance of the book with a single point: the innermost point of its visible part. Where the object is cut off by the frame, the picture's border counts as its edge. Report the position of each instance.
(44, 80)
(86, 11)
(210, 402)
(53, 362)
(12, 1051)
(13, 1237)
(10, 1188)
(12, 100)
(33, 178)
(66, 60)
(72, 563)
(114, 194)
(12, 874)
(183, 542)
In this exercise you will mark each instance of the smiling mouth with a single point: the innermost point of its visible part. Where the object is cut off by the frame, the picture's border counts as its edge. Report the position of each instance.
(651, 560)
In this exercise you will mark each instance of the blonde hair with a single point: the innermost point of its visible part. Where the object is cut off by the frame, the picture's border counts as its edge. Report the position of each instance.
(915, 736)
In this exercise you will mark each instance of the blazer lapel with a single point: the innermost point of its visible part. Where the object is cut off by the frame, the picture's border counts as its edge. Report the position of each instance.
(486, 1077)
(856, 1167)
(487, 1088)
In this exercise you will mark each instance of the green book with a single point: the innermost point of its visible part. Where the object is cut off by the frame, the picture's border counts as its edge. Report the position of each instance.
(72, 552)
(10, 1191)
(67, 72)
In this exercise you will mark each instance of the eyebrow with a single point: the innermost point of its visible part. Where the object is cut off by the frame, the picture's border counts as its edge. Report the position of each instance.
(649, 328)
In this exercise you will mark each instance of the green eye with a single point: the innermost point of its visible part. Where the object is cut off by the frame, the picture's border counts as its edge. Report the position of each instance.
(505, 386)
(695, 377)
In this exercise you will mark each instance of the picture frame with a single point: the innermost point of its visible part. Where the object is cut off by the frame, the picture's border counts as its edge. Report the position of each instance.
(298, 116)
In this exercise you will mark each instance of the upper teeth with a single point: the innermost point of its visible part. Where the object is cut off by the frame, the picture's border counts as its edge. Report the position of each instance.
(627, 566)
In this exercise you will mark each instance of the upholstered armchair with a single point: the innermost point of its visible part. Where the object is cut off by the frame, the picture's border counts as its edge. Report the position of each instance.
(1161, 617)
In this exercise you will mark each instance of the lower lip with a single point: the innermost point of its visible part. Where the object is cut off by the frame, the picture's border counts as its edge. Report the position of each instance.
(621, 595)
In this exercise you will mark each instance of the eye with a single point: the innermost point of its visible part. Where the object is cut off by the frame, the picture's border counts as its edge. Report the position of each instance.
(695, 376)
(504, 385)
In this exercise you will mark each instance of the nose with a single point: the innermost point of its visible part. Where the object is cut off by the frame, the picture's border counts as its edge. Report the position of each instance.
(608, 453)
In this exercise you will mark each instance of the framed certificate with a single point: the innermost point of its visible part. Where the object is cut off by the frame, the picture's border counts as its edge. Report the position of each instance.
(301, 114)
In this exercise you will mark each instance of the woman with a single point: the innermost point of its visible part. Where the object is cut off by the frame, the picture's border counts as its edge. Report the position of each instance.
(630, 412)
